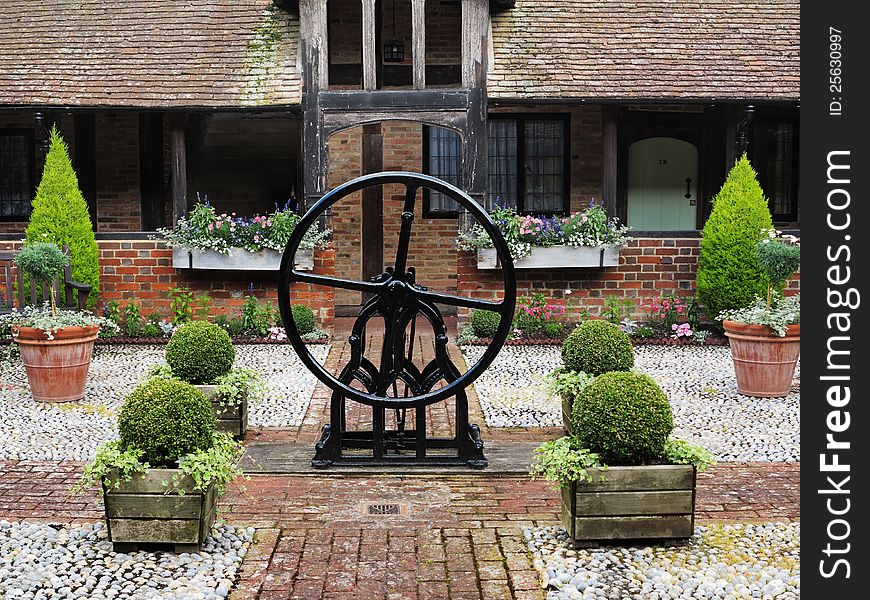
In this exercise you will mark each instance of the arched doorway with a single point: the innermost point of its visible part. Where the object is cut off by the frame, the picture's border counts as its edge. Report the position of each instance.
(662, 184)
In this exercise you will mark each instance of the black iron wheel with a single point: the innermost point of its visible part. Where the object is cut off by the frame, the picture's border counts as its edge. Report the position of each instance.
(396, 286)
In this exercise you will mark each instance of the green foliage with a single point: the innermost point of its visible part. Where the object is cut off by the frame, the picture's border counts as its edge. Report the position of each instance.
(133, 318)
(151, 330)
(215, 465)
(256, 317)
(203, 304)
(60, 216)
(303, 317)
(43, 317)
(782, 312)
(234, 326)
(200, 352)
(166, 419)
(624, 417)
(597, 347)
(567, 384)
(681, 452)
(112, 458)
(729, 275)
(778, 260)
(42, 261)
(181, 305)
(644, 331)
(553, 329)
(615, 310)
(564, 460)
(484, 323)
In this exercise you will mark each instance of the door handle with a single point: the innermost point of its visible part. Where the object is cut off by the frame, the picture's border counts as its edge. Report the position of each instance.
(689, 191)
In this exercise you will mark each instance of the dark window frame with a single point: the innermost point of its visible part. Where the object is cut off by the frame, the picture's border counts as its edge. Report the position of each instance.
(520, 118)
(31, 171)
(758, 156)
(428, 213)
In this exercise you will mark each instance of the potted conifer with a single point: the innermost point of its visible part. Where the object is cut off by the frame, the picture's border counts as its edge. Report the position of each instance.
(56, 345)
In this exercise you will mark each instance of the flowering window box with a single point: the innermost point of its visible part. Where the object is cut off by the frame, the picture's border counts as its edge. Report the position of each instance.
(555, 257)
(238, 259)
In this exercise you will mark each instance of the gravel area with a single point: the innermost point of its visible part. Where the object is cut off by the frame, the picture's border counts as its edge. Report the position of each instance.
(720, 561)
(72, 431)
(699, 380)
(42, 561)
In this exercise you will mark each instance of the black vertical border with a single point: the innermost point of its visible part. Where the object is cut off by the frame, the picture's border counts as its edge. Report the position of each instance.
(822, 133)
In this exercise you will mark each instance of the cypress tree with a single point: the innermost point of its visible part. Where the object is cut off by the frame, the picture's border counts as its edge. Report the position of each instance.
(729, 275)
(60, 215)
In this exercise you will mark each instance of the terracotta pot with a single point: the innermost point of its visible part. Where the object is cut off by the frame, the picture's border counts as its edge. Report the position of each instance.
(57, 369)
(764, 363)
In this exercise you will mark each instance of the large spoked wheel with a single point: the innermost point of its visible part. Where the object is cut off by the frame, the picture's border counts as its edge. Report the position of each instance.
(396, 286)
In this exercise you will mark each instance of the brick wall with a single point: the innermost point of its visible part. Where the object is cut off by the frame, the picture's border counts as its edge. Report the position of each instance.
(118, 199)
(586, 150)
(142, 270)
(648, 268)
(432, 249)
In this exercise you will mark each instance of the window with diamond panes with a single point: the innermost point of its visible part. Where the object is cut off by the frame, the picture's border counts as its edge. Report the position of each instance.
(16, 174)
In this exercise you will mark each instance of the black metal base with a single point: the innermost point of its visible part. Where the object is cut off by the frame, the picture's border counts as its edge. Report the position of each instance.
(399, 448)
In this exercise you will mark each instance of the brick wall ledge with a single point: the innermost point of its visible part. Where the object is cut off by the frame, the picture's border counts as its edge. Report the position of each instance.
(100, 235)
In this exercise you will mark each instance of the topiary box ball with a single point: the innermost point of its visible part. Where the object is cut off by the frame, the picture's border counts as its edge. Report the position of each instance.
(200, 352)
(484, 323)
(166, 419)
(625, 417)
(303, 317)
(597, 347)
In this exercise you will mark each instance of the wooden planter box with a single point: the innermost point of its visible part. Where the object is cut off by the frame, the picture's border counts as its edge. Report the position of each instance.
(237, 260)
(232, 419)
(632, 503)
(555, 257)
(141, 512)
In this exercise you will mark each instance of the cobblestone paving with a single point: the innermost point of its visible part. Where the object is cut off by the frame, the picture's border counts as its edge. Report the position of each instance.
(73, 430)
(699, 380)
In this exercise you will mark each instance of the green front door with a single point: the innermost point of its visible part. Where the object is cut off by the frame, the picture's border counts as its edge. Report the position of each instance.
(662, 184)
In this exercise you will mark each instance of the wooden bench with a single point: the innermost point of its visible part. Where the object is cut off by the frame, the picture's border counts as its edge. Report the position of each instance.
(10, 273)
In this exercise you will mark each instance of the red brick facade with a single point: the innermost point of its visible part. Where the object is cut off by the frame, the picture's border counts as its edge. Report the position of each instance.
(648, 268)
(142, 270)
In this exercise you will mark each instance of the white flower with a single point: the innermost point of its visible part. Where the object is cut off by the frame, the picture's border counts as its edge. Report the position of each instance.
(568, 292)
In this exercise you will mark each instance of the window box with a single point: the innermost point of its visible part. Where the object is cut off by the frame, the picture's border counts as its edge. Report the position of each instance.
(238, 259)
(556, 257)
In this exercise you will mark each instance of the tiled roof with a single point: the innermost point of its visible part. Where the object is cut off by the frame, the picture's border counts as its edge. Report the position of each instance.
(652, 49)
(148, 53)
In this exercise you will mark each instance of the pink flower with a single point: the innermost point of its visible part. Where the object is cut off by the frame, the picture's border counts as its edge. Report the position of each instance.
(210, 226)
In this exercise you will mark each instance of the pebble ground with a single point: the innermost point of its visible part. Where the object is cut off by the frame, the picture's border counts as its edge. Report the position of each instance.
(699, 380)
(48, 561)
(726, 561)
(73, 430)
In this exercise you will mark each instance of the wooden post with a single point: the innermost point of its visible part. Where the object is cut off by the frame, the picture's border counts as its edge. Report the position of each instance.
(369, 38)
(179, 167)
(475, 31)
(609, 172)
(314, 53)
(418, 34)
(372, 203)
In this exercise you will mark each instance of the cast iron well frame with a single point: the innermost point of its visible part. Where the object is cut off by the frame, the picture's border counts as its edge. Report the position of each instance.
(396, 297)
